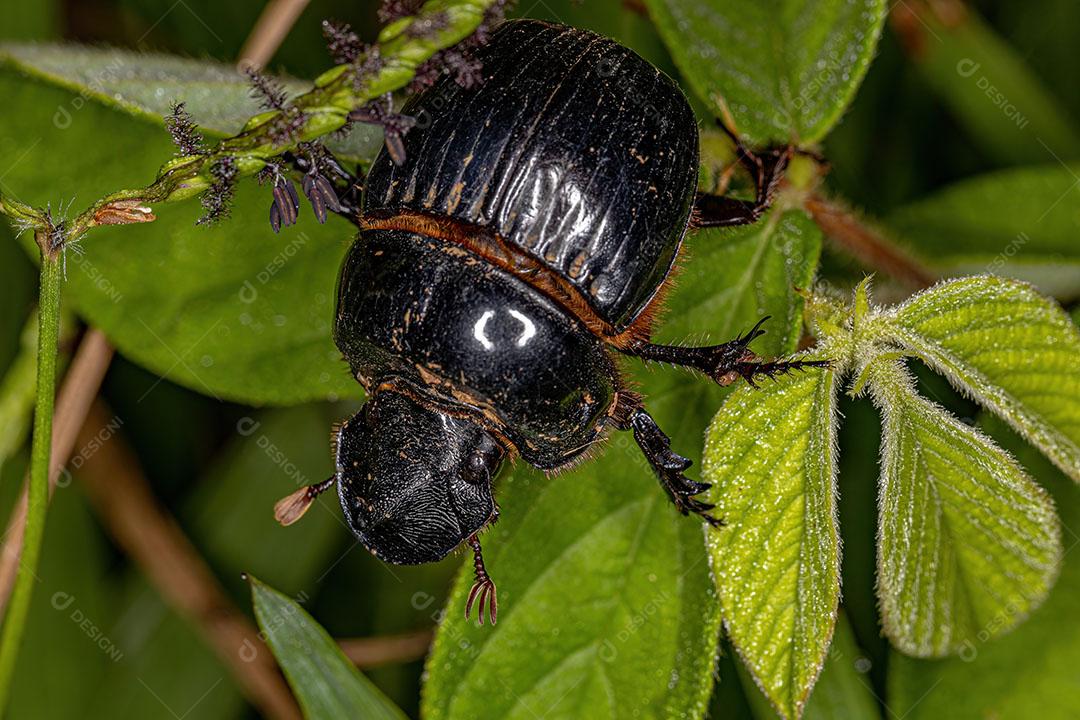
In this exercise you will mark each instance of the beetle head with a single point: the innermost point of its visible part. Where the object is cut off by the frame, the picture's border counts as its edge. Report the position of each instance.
(414, 482)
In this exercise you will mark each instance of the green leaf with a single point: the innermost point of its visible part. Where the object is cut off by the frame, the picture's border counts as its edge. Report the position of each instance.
(968, 544)
(843, 691)
(325, 682)
(771, 456)
(232, 311)
(786, 69)
(998, 100)
(1018, 223)
(1031, 671)
(1012, 350)
(147, 85)
(606, 604)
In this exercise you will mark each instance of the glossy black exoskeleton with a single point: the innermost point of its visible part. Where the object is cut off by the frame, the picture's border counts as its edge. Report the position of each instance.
(527, 232)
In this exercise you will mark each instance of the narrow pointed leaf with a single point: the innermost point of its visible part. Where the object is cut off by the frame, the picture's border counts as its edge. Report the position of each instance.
(1015, 352)
(968, 544)
(771, 456)
(786, 69)
(324, 681)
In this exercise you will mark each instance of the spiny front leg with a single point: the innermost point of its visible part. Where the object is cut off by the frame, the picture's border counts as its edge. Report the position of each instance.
(669, 466)
(727, 362)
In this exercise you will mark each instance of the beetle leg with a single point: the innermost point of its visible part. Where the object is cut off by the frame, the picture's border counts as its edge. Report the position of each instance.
(724, 363)
(483, 587)
(766, 168)
(669, 466)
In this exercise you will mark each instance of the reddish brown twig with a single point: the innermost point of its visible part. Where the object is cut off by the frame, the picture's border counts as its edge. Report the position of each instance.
(157, 544)
(387, 649)
(866, 245)
(269, 32)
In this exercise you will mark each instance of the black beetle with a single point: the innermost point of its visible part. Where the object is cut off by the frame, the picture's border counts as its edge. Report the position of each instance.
(529, 229)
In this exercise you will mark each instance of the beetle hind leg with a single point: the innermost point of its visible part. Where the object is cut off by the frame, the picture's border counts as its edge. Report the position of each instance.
(669, 466)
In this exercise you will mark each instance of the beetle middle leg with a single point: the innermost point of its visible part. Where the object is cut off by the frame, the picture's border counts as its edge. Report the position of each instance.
(724, 363)
(668, 465)
(766, 168)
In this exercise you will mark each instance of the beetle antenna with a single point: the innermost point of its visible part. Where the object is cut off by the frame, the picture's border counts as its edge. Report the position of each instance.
(483, 587)
(292, 507)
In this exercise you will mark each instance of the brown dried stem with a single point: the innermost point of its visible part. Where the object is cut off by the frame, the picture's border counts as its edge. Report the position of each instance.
(867, 245)
(77, 392)
(157, 544)
(386, 649)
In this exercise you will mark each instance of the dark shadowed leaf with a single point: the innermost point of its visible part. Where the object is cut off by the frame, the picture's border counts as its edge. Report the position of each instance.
(1019, 223)
(147, 85)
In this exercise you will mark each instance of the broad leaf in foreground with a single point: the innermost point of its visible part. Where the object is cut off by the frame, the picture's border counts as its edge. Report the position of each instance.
(327, 685)
(771, 456)
(233, 310)
(785, 69)
(1015, 352)
(968, 544)
(606, 606)
(1017, 223)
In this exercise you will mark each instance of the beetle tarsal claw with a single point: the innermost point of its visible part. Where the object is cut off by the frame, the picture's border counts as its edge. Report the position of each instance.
(483, 588)
(292, 507)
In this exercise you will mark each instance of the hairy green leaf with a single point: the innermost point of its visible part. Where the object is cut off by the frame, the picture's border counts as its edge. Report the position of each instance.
(1031, 671)
(1012, 350)
(324, 681)
(968, 544)
(1018, 223)
(147, 85)
(606, 604)
(771, 456)
(841, 691)
(232, 311)
(785, 69)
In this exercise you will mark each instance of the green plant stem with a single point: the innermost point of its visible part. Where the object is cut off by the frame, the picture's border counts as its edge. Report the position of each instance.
(48, 332)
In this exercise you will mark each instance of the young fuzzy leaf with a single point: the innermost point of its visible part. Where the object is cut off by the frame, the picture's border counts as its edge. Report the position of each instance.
(968, 544)
(771, 456)
(785, 69)
(1015, 352)
(324, 681)
(1031, 671)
